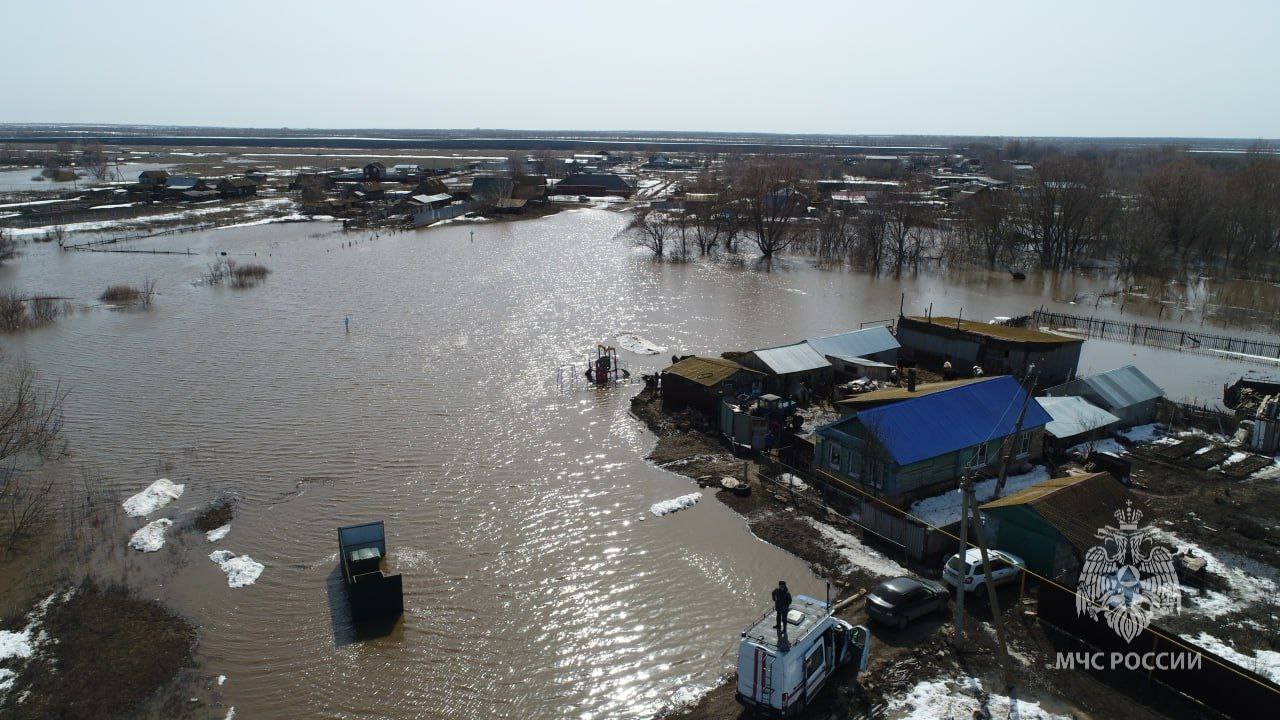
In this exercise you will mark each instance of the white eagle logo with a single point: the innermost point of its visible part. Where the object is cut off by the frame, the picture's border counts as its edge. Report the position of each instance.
(1127, 578)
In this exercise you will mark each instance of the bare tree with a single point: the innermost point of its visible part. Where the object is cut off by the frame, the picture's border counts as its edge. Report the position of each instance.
(8, 248)
(988, 227)
(1067, 207)
(95, 160)
(651, 229)
(771, 199)
(1182, 197)
(30, 432)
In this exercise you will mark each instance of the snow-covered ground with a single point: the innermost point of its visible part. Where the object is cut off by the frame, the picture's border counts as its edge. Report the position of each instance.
(1143, 433)
(674, 504)
(638, 345)
(155, 496)
(150, 537)
(958, 699)
(1263, 662)
(1248, 581)
(856, 554)
(1105, 445)
(250, 207)
(942, 510)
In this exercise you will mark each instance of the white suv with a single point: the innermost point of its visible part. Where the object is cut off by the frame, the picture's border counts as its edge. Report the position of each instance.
(968, 573)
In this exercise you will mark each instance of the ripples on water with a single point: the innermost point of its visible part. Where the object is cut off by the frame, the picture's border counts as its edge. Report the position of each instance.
(535, 585)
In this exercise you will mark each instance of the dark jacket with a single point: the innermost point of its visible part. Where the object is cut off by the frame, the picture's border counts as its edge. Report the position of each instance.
(781, 599)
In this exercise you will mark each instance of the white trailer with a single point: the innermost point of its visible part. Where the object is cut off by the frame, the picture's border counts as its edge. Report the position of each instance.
(779, 673)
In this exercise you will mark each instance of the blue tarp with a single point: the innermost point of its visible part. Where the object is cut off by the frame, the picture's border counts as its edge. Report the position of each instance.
(951, 420)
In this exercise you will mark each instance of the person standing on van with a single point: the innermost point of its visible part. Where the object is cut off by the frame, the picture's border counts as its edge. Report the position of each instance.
(781, 604)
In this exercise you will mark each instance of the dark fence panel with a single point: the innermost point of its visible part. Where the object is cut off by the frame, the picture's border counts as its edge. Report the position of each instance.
(1155, 336)
(1218, 683)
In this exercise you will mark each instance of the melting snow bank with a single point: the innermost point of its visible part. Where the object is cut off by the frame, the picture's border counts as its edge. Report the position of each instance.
(217, 534)
(17, 645)
(962, 698)
(150, 537)
(1106, 445)
(157, 495)
(638, 345)
(1143, 433)
(942, 510)
(856, 554)
(1248, 582)
(241, 570)
(669, 506)
(1263, 662)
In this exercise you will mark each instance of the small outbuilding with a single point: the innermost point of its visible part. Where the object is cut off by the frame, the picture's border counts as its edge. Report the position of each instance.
(1125, 392)
(870, 352)
(237, 187)
(1075, 420)
(791, 368)
(1052, 524)
(700, 383)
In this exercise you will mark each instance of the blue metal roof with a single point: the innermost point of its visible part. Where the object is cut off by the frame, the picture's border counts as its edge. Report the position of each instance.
(949, 420)
(856, 344)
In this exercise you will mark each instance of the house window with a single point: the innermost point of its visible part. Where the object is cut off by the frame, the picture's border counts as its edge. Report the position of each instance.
(835, 457)
(1024, 444)
(980, 455)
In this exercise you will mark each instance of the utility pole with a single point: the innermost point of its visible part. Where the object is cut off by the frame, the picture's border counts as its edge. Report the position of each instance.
(1029, 383)
(958, 638)
(994, 602)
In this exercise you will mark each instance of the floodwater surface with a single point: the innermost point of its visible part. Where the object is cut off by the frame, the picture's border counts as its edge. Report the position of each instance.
(536, 582)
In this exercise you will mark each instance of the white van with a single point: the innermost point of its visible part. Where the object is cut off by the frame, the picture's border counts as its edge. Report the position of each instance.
(779, 674)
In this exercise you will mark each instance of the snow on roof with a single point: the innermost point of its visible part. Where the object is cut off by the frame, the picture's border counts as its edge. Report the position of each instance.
(1073, 415)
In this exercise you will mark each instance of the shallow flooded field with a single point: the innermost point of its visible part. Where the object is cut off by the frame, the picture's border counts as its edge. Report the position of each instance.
(537, 583)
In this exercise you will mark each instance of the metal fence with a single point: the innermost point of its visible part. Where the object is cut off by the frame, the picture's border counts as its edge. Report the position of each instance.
(1155, 336)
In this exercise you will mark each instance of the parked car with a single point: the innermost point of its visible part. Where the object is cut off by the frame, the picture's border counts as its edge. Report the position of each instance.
(1005, 567)
(903, 599)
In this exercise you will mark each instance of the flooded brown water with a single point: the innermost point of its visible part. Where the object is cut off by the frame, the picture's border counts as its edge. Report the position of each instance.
(537, 585)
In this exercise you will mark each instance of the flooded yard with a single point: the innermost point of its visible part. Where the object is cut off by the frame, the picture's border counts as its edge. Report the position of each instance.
(537, 582)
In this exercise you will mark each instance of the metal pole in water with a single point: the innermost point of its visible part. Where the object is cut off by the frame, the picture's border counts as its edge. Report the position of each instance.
(346, 323)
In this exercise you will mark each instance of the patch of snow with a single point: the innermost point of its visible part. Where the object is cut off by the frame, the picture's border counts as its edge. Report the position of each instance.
(1248, 582)
(1143, 433)
(1263, 662)
(942, 510)
(959, 699)
(856, 554)
(675, 504)
(241, 570)
(15, 644)
(231, 714)
(222, 679)
(1235, 458)
(1271, 472)
(1105, 445)
(793, 481)
(217, 534)
(638, 345)
(150, 537)
(6, 680)
(221, 556)
(157, 495)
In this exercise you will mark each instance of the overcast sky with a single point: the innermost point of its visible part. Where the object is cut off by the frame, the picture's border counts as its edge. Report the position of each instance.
(983, 68)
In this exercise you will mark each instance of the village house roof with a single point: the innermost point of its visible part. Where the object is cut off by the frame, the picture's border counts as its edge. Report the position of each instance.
(182, 182)
(946, 421)
(1074, 416)
(893, 394)
(609, 181)
(998, 332)
(237, 182)
(856, 343)
(1076, 506)
(787, 359)
(707, 371)
(1122, 387)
